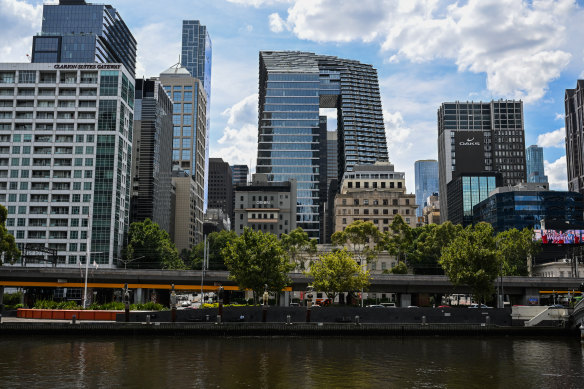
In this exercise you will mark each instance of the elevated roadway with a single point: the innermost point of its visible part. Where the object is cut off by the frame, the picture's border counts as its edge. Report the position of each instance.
(12, 276)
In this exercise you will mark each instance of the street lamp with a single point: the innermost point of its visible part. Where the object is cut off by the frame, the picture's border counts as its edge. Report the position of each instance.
(126, 261)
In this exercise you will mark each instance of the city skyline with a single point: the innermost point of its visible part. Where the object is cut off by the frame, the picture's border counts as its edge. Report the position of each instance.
(413, 82)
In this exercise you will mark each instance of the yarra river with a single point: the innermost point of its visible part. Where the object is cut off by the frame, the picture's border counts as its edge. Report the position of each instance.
(192, 362)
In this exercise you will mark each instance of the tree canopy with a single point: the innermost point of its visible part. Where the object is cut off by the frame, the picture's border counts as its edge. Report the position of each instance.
(399, 241)
(298, 246)
(338, 272)
(255, 259)
(9, 252)
(361, 238)
(514, 248)
(427, 245)
(471, 259)
(217, 241)
(151, 247)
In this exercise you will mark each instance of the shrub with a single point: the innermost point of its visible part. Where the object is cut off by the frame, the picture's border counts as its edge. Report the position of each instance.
(149, 306)
(12, 298)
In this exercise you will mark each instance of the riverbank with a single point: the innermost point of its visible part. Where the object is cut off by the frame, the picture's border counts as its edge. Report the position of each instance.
(36, 327)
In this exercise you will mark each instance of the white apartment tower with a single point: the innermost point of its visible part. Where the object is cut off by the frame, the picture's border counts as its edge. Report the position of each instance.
(65, 157)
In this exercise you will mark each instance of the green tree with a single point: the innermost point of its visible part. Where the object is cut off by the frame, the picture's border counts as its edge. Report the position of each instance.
(400, 268)
(152, 247)
(428, 242)
(514, 248)
(471, 259)
(255, 259)
(217, 241)
(362, 239)
(338, 272)
(299, 246)
(399, 241)
(9, 252)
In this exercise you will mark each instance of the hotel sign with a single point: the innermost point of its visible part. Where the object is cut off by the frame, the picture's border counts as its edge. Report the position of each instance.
(470, 154)
(100, 66)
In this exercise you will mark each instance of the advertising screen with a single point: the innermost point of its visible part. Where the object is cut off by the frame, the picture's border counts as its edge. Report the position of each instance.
(559, 237)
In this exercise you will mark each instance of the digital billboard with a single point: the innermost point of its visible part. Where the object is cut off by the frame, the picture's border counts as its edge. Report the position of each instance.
(558, 236)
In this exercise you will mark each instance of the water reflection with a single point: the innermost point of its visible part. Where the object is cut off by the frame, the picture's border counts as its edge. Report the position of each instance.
(40, 362)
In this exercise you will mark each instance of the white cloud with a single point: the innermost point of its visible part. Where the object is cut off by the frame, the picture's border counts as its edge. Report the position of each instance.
(158, 48)
(238, 145)
(553, 139)
(520, 45)
(258, 3)
(557, 173)
(277, 24)
(560, 116)
(19, 21)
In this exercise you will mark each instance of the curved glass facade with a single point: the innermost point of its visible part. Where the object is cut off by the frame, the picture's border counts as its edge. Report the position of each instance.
(292, 141)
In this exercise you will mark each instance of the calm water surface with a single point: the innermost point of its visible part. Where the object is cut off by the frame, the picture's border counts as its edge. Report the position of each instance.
(189, 362)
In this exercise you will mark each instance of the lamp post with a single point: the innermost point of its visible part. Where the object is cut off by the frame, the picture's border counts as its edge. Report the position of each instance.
(87, 260)
(126, 303)
(309, 296)
(126, 261)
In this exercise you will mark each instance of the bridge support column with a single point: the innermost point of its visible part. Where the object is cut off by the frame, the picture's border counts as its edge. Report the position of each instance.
(405, 300)
(285, 299)
(531, 296)
(1, 302)
(139, 296)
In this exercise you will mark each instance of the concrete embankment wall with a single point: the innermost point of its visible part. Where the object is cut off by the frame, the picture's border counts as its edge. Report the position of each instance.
(31, 328)
(501, 317)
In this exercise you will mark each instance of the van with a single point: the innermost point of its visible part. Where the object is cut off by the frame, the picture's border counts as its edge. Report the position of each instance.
(388, 305)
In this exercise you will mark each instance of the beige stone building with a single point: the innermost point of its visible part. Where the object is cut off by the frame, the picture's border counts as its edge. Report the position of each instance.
(185, 216)
(431, 211)
(374, 193)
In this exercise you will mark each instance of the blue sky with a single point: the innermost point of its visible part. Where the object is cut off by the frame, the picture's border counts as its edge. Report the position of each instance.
(425, 51)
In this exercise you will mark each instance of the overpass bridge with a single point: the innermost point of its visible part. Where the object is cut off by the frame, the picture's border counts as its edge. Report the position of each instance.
(521, 288)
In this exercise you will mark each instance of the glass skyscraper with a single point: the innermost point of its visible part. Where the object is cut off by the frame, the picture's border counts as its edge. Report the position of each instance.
(426, 172)
(196, 58)
(74, 31)
(293, 86)
(534, 163)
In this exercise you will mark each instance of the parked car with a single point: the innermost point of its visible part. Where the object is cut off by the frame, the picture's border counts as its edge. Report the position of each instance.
(413, 306)
(558, 306)
(482, 306)
(375, 306)
(388, 305)
(444, 306)
(294, 304)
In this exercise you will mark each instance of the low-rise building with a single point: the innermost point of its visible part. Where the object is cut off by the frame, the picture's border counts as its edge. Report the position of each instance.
(265, 206)
(374, 193)
(526, 204)
(215, 220)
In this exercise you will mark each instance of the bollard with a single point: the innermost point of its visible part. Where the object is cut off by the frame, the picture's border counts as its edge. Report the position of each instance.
(173, 314)
(73, 319)
(488, 320)
(357, 320)
(308, 314)
(264, 313)
(288, 319)
(206, 317)
(424, 320)
(147, 319)
(218, 319)
(127, 312)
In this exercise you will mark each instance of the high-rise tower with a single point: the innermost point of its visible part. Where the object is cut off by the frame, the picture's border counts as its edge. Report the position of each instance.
(189, 136)
(426, 173)
(292, 88)
(476, 137)
(75, 31)
(574, 103)
(197, 58)
(152, 157)
(534, 160)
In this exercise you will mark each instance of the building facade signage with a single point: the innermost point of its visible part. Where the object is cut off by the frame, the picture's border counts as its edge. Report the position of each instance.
(87, 66)
(470, 142)
(262, 202)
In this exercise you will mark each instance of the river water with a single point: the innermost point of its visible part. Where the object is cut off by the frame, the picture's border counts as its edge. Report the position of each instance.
(194, 362)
